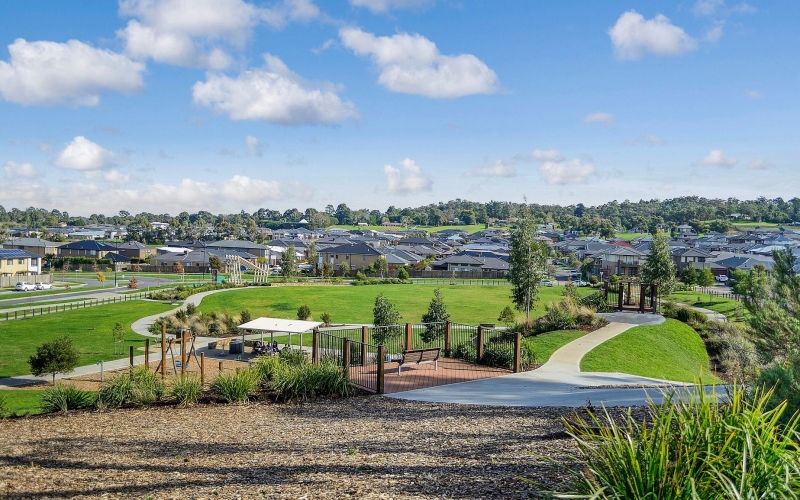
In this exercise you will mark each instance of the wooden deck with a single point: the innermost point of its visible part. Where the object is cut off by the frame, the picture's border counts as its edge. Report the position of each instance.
(450, 371)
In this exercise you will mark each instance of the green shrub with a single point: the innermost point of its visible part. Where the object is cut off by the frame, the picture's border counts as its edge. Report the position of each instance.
(326, 319)
(186, 390)
(65, 397)
(785, 379)
(307, 381)
(303, 312)
(695, 448)
(138, 387)
(402, 273)
(690, 316)
(245, 317)
(265, 368)
(465, 351)
(191, 309)
(498, 354)
(595, 301)
(235, 387)
(292, 356)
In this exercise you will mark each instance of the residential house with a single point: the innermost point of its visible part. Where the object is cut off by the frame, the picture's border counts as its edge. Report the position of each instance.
(198, 258)
(357, 256)
(136, 250)
(242, 246)
(683, 257)
(15, 262)
(33, 245)
(86, 248)
(621, 261)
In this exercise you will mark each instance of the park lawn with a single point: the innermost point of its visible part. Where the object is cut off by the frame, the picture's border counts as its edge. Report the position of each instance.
(726, 307)
(22, 401)
(630, 236)
(90, 330)
(545, 344)
(670, 351)
(470, 305)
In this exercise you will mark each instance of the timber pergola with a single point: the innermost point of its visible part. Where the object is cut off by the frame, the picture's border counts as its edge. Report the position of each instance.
(277, 325)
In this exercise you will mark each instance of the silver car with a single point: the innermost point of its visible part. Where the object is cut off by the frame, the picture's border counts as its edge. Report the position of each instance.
(41, 285)
(24, 286)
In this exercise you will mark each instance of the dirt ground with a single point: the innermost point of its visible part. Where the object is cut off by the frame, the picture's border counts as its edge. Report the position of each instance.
(362, 447)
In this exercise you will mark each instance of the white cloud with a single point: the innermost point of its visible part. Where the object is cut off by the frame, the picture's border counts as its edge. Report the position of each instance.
(707, 7)
(714, 33)
(499, 169)
(189, 32)
(666, 187)
(48, 73)
(604, 118)
(254, 148)
(231, 195)
(20, 170)
(752, 94)
(650, 140)
(84, 155)
(633, 37)
(412, 179)
(556, 169)
(743, 8)
(760, 165)
(716, 158)
(274, 94)
(412, 64)
(379, 6)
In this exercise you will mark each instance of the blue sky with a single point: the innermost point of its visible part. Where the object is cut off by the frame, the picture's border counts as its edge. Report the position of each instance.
(224, 105)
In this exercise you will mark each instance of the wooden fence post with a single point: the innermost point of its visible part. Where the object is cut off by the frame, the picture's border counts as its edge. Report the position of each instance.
(479, 347)
(131, 357)
(381, 372)
(346, 346)
(654, 297)
(163, 351)
(409, 337)
(517, 352)
(220, 367)
(642, 296)
(621, 296)
(315, 346)
(147, 353)
(364, 342)
(448, 338)
(184, 337)
(202, 369)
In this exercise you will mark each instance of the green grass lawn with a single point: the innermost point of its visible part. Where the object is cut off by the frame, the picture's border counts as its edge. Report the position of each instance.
(726, 307)
(546, 344)
(630, 236)
(472, 228)
(22, 401)
(670, 351)
(90, 330)
(353, 304)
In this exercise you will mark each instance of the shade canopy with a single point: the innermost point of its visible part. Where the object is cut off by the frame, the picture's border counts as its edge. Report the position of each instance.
(279, 325)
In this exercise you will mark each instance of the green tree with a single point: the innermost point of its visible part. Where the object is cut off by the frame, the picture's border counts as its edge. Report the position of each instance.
(101, 277)
(215, 263)
(705, 277)
(327, 269)
(587, 267)
(507, 317)
(313, 255)
(381, 266)
(720, 226)
(344, 267)
(384, 314)
(55, 356)
(527, 261)
(689, 276)
(435, 318)
(659, 269)
(303, 312)
(118, 335)
(289, 262)
(402, 273)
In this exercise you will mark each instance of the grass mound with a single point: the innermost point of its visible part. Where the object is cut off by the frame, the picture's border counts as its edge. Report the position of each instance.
(670, 351)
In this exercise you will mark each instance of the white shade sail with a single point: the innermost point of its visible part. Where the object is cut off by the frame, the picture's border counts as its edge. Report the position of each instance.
(279, 325)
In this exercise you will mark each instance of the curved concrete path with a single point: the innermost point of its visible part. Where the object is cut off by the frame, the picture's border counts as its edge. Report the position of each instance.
(559, 382)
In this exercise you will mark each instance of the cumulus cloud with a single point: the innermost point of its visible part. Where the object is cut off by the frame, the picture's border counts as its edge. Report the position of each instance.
(760, 165)
(634, 36)
(231, 195)
(254, 148)
(649, 140)
(274, 94)
(716, 158)
(84, 155)
(499, 169)
(556, 169)
(752, 94)
(412, 64)
(707, 7)
(380, 6)
(603, 118)
(20, 170)
(411, 179)
(714, 33)
(189, 32)
(48, 73)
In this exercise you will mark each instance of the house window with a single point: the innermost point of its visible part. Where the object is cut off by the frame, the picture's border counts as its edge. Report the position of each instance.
(364, 257)
(92, 252)
(20, 261)
(10, 262)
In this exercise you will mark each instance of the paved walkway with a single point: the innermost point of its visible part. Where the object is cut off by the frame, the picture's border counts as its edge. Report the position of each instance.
(559, 382)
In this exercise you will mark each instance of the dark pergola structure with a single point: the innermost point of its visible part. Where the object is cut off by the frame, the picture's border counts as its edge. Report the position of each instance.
(632, 296)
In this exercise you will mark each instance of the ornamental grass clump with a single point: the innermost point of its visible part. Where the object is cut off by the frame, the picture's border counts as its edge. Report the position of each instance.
(138, 387)
(65, 397)
(692, 447)
(186, 390)
(309, 381)
(235, 387)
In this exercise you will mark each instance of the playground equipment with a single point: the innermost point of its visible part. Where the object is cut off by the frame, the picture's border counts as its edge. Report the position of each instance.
(182, 339)
(234, 265)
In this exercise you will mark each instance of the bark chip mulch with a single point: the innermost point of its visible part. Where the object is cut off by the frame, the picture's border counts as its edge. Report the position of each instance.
(362, 447)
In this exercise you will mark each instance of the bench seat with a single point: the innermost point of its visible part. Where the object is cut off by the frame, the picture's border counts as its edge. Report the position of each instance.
(418, 357)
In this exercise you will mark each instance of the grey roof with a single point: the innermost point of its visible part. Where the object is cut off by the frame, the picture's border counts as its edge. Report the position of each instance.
(31, 242)
(13, 253)
(354, 249)
(235, 244)
(132, 245)
(89, 245)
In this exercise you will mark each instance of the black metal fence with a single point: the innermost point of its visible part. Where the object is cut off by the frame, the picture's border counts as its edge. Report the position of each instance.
(70, 306)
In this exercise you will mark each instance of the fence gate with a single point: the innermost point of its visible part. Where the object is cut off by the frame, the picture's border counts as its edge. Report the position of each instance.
(632, 296)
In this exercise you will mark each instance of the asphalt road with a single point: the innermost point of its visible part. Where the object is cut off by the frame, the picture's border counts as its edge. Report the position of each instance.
(26, 298)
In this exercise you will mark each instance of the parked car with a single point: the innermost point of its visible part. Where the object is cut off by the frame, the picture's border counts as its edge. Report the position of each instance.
(545, 283)
(41, 285)
(580, 282)
(722, 279)
(24, 286)
(574, 273)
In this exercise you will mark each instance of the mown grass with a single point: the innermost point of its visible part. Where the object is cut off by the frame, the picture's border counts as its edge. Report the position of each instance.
(544, 345)
(90, 330)
(727, 307)
(23, 401)
(350, 304)
(670, 351)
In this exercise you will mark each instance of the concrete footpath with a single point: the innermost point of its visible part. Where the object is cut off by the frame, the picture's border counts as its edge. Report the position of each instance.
(559, 382)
